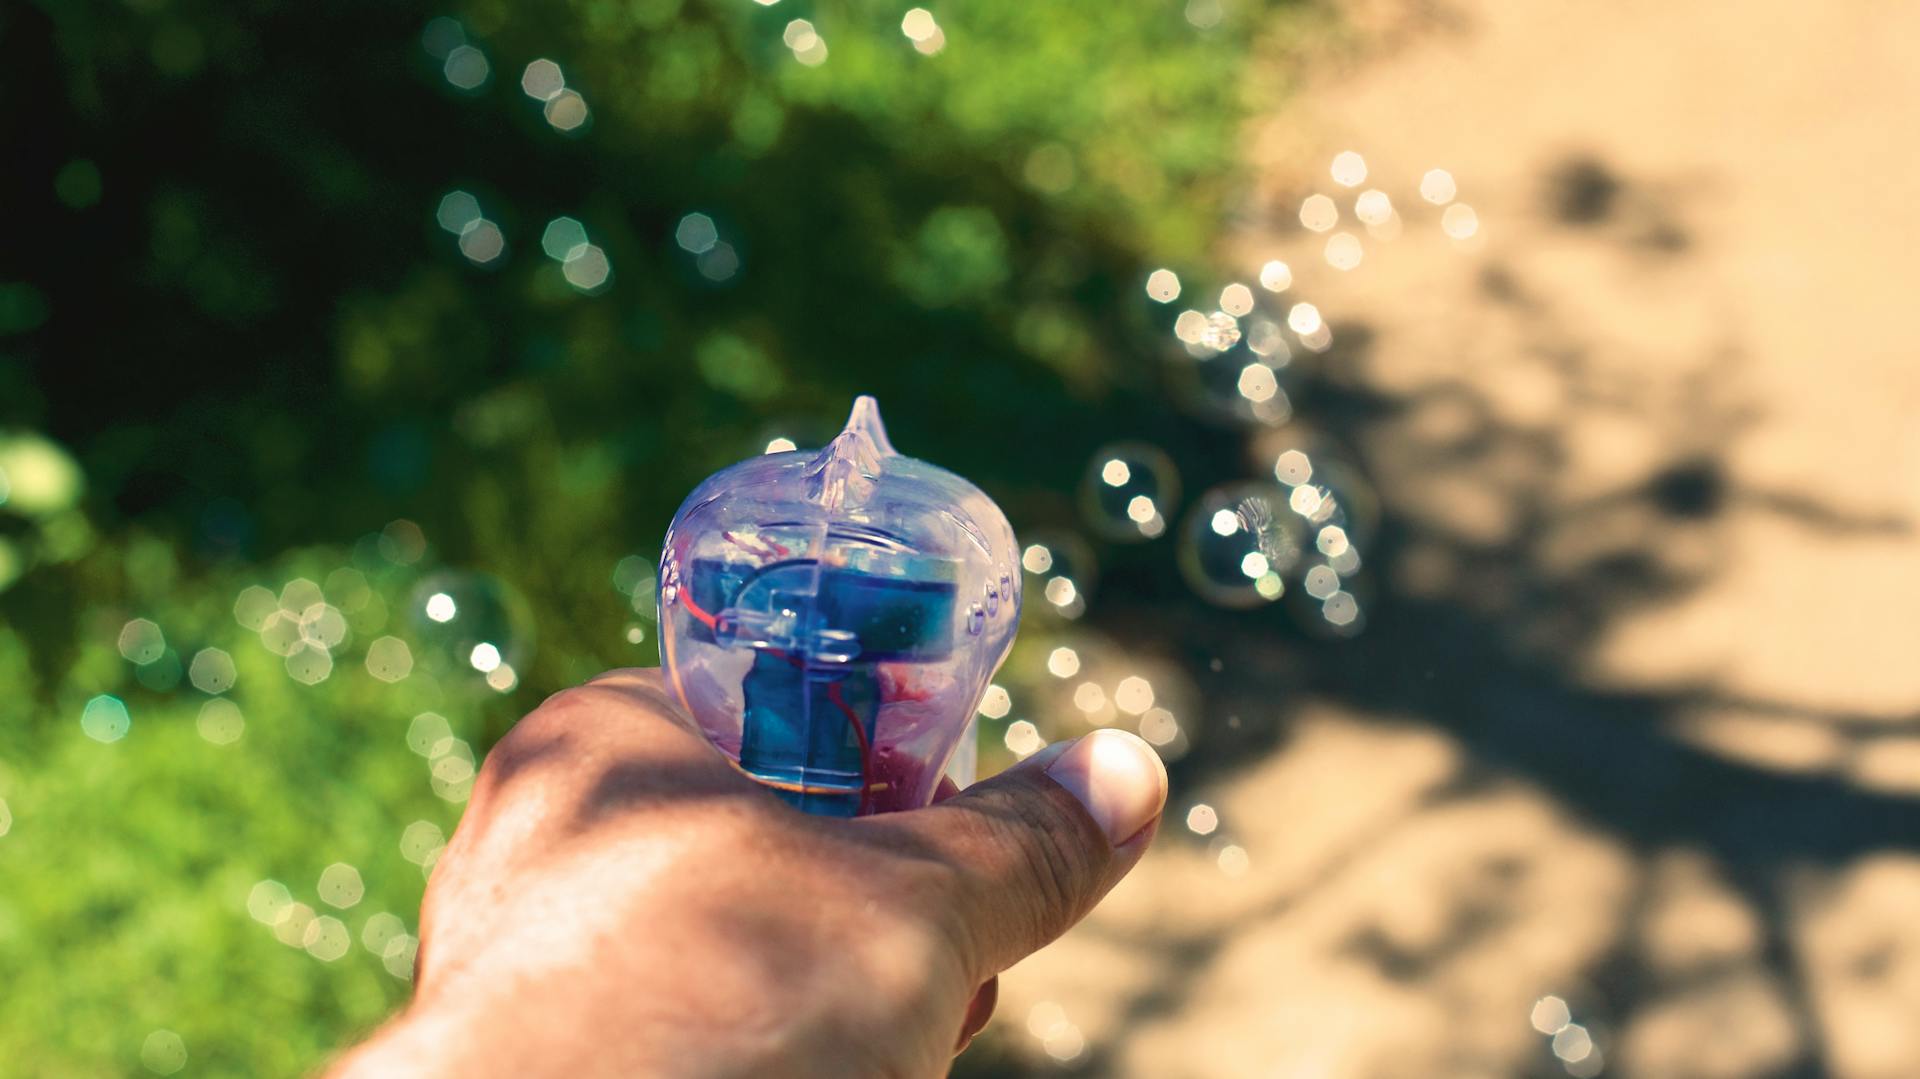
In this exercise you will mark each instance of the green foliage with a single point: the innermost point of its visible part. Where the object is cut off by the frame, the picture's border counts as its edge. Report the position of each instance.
(239, 342)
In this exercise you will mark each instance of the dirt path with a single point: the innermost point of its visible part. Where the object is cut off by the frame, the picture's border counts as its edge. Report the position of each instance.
(1641, 733)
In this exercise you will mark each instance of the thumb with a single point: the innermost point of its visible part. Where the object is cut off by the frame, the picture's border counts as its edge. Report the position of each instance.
(1035, 847)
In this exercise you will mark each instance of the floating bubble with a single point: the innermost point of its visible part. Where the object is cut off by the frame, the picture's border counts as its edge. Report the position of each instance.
(457, 211)
(468, 624)
(1023, 738)
(1349, 169)
(164, 1052)
(995, 703)
(399, 956)
(1063, 662)
(566, 111)
(421, 842)
(1373, 207)
(1222, 331)
(466, 67)
(340, 886)
(1437, 187)
(482, 242)
(381, 927)
(1344, 251)
(1319, 213)
(587, 268)
(389, 659)
(1550, 1015)
(562, 237)
(1238, 542)
(105, 719)
(1190, 327)
(267, 900)
(1460, 221)
(1303, 319)
(427, 731)
(1134, 695)
(696, 233)
(1326, 489)
(309, 664)
(1265, 340)
(290, 926)
(141, 641)
(1202, 819)
(220, 722)
(542, 79)
(1128, 489)
(1063, 572)
(1241, 383)
(1233, 860)
(326, 938)
(1236, 299)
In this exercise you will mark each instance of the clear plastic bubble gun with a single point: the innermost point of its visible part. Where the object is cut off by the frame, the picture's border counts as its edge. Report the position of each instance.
(831, 617)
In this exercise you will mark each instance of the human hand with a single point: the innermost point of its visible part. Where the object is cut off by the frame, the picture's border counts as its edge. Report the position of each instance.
(619, 900)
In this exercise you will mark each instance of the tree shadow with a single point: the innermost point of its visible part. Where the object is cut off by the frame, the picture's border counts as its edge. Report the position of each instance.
(1486, 633)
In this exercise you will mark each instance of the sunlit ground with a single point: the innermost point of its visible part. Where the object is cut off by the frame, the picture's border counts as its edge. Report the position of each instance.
(1628, 786)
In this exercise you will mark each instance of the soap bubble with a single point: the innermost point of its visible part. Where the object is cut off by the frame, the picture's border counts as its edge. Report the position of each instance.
(1339, 512)
(1128, 491)
(1061, 572)
(469, 623)
(1229, 365)
(1327, 490)
(1239, 542)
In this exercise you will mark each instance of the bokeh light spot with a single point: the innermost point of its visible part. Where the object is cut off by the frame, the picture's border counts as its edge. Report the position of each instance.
(466, 67)
(340, 886)
(562, 237)
(1349, 169)
(1319, 213)
(696, 233)
(389, 659)
(1344, 251)
(566, 111)
(995, 703)
(482, 242)
(440, 607)
(1202, 819)
(1063, 662)
(212, 671)
(587, 268)
(457, 212)
(326, 938)
(421, 842)
(1023, 738)
(105, 719)
(1460, 221)
(141, 641)
(163, 1052)
(220, 722)
(542, 80)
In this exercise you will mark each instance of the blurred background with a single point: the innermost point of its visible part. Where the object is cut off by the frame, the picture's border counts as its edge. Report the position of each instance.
(1560, 719)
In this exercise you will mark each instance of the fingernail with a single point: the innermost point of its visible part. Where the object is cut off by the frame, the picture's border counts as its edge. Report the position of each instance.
(1117, 777)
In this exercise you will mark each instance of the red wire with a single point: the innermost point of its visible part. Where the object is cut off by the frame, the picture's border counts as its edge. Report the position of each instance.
(833, 694)
(860, 735)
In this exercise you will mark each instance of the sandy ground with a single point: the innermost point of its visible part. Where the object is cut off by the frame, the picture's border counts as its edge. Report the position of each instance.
(1648, 447)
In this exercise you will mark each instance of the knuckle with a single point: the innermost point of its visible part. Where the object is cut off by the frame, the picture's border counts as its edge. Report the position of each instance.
(1056, 865)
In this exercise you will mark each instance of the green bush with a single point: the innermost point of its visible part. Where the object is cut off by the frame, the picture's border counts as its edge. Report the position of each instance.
(238, 338)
